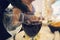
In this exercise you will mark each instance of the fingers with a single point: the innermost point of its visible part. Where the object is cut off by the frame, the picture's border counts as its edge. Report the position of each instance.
(34, 19)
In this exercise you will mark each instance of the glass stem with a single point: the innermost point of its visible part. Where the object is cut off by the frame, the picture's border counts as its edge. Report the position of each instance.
(32, 38)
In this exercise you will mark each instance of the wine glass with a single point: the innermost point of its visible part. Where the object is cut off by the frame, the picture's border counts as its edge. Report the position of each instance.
(7, 21)
(31, 28)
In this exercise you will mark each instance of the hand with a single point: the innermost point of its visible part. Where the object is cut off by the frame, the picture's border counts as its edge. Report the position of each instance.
(34, 19)
(16, 23)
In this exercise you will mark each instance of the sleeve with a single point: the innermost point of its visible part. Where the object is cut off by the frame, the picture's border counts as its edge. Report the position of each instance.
(3, 33)
(3, 4)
